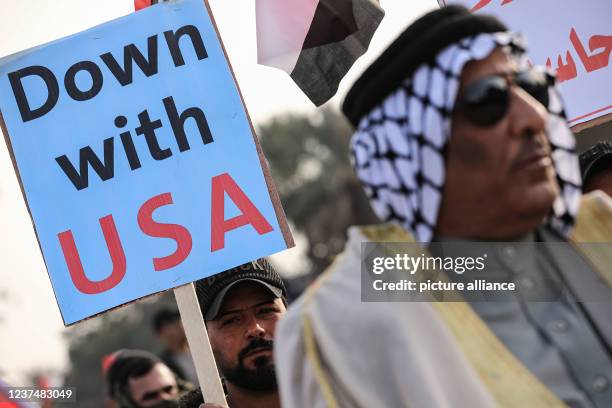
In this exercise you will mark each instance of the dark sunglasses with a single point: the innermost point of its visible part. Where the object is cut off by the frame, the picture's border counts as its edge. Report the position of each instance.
(485, 102)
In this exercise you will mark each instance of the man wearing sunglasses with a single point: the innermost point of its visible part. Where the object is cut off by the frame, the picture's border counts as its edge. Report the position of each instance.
(241, 308)
(459, 139)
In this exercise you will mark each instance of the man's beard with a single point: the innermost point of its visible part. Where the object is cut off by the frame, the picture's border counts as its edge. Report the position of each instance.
(262, 378)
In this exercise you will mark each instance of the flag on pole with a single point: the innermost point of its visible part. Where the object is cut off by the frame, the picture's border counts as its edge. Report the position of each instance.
(315, 41)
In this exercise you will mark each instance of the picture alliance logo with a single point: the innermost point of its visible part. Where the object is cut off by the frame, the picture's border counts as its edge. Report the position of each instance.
(413, 264)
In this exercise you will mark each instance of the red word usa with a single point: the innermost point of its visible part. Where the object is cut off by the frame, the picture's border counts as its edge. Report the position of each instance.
(222, 185)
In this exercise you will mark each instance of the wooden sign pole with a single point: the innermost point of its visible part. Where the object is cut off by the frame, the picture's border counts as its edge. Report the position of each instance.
(199, 344)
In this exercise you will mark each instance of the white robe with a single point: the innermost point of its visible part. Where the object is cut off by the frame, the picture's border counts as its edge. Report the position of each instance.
(391, 354)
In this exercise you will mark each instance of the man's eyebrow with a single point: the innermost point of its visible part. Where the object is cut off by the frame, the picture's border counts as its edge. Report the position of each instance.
(240, 310)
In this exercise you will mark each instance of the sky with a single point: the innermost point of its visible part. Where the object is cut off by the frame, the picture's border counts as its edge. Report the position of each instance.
(30, 324)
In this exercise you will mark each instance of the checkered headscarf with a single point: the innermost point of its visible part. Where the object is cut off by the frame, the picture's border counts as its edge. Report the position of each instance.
(398, 147)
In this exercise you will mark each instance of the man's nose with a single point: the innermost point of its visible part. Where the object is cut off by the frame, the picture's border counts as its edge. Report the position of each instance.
(528, 115)
(254, 328)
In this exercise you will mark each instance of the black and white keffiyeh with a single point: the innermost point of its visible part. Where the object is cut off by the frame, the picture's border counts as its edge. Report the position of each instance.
(397, 150)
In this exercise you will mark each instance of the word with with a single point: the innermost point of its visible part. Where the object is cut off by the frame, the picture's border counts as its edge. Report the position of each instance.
(593, 62)
(221, 185)
(123, 74)
(105, 168)
(412, 264)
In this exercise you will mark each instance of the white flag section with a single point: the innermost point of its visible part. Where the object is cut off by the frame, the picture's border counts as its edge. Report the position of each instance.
(282, 26)
(315, 41)
(573, 37)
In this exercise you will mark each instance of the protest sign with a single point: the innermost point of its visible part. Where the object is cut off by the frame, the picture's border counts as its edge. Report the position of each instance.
(573, 38)
(136, 158)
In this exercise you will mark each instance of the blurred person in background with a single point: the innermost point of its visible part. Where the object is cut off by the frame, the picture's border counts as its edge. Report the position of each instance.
(596, 166)
(241, 308)
(169, 331)
(459, 139)
(138, 379)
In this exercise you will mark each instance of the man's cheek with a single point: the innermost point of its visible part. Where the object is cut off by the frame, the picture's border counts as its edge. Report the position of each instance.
(227, 359)
(466, 144)
(223, 348)
(270, 328)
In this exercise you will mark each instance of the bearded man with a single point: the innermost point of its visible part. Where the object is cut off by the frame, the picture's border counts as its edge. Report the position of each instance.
(241, 307)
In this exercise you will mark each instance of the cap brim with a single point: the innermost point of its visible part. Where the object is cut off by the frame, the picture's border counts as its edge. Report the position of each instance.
(213, 308)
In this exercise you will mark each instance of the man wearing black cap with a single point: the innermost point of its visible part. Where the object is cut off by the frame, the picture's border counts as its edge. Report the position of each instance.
(460, 139)
(596, 166)
(241, 307)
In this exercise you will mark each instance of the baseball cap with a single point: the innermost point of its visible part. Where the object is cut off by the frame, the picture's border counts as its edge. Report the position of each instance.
(211, 291)
(595, 159)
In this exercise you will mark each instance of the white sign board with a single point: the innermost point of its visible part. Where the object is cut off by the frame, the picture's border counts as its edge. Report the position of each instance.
(573, 37)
